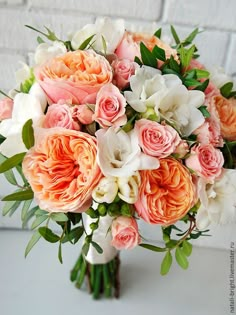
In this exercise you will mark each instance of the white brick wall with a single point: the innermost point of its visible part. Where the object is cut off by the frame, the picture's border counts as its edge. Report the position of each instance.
(217, 45)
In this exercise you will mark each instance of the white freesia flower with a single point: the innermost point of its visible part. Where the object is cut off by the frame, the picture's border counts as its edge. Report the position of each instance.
(44, 51)
(170, 98)
(106, 190)
(21, 75)
(106, 29)
(119, 154)
(128, 187)
(218, 77)
(26, 106)
(218, 201)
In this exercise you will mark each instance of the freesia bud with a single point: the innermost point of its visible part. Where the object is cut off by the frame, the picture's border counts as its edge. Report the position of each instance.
(106, 190)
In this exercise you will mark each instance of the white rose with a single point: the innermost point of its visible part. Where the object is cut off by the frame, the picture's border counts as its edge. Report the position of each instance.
(45, 51)
(119, 154)
(218, 201)
(106, 29)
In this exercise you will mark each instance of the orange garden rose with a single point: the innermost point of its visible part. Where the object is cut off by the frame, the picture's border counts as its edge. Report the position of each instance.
(166, 194)
(74, 77)
(226, 109)
(62, 170)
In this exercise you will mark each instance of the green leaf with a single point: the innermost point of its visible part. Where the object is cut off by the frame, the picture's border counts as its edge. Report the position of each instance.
(12, 162)
(60, 253)
(21, 195)
(40, 212)
(204, 111)
(2, 139)
(19, 170)
(187, 248)
(202, 86)
(59, 217)
(181, 258)
(166, 263)
(28, 216)
(92, 213)
(158, 33)
(188, 40)
(28, 134)
(191, 82)
(97, 247)
(86, 42)
(40, 40)
(159, 53)
(171, 244)
(174, 34)
(147, 57)
(34, 239)
(75, 234)
(202, 74)
(3, 93)
(226, 89)
(85, 248)
(138, 61)
(10, 206)
(186, 55)
(48, 235)
(174, 64)
(25, 208)
(10, 177)
(104, 45)
(153, 248)
(38, 220)
(75, 218)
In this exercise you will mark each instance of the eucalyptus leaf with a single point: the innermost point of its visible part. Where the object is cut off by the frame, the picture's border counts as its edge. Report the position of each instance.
(28, 134)
(38, 220)
(59, 217)
(85, 248)
(74, 235)
(9, 206)
(10, 177)
(153, 248)
(21, 195)
(28, 216)
(97, 247)
(48, 235)
(34, 239)
(181, 258)
(25, 208)
(11, 162)
(166, 263)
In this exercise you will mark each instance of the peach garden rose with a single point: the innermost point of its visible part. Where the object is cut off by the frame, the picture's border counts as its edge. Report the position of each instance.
(62, 169)
(166, 194)
(75, 76)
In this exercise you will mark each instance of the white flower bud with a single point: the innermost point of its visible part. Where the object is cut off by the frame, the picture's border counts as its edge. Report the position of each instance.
(128, 187)
(106, 190)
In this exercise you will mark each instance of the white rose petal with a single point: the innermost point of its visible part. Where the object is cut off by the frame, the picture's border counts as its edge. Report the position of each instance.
(218, 200)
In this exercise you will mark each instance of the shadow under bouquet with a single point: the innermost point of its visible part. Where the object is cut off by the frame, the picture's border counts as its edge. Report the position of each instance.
(113, 127)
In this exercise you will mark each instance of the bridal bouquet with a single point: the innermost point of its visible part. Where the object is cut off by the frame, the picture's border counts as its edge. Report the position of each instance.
(110, 128)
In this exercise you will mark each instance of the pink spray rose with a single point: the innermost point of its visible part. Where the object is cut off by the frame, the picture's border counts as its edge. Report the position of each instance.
(110, 107)
(125, 233)
(60, 115)
(156, 139)
(206, 161)
(6, 106)
(83, 114)
(75, 77)
(123, 70)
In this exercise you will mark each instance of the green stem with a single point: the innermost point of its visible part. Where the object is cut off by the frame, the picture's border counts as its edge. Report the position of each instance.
(97, 282)
(80, 279)
(107, 280)
(75, 270)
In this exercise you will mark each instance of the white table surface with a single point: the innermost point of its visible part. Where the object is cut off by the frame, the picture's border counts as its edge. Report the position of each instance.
(40, 284)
